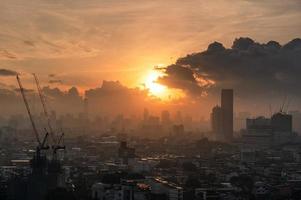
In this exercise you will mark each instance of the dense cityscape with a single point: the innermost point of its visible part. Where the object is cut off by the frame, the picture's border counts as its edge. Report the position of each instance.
(166, 158)
(150, 100)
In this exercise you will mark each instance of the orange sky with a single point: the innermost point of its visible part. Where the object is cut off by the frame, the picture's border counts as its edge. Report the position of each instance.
(84, 42)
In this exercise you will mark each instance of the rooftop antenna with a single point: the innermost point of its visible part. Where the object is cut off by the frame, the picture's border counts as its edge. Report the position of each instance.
(271, 111)
(288, 104)
(283, 104)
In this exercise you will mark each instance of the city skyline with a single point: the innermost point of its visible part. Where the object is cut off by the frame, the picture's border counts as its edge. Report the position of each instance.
(101, 51)
(150, 100)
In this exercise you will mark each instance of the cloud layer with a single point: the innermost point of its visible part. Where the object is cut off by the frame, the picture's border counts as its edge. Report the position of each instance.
(7, 72)
(251, 68)
(93, 37)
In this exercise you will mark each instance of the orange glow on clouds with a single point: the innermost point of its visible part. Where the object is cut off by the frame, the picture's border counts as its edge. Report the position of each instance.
(154, 87)
(157, 90)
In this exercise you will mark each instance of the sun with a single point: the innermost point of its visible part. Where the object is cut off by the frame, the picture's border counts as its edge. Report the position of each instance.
(155, 88)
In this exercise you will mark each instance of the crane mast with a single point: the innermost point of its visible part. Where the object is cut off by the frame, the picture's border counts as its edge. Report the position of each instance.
(44, 108)
(56, 143)
(28, 111)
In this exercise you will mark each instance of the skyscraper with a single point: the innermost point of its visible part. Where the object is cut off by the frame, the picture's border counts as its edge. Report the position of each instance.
(227, 113)
(165, 117)
(282, 122)
(216, 122)
(145, 115)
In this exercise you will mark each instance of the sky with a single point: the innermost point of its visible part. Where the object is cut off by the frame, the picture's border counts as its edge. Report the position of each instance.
(82, 43)
(86, 41)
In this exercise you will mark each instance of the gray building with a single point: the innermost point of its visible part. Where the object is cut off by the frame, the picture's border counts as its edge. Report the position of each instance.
(216, 122)
(227, 113)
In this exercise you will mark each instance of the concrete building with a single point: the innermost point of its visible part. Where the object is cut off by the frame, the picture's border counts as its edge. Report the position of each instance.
(165, 117)
(222, 117)
(126, 190)
(216, 122)
(262, 133)
(282, 122)
(282, 125)
(125, 153)
(296, 121)
(227, 113)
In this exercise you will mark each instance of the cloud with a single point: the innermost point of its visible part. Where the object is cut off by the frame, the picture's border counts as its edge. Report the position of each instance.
(24, 89)
(29, 43)
(248, 66)
(181, 77)
(7, 55)
(7, 72)
(64, 29)
(113, 98)
(55, 81)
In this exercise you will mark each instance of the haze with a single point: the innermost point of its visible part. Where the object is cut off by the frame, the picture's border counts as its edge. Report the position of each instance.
(82, 43)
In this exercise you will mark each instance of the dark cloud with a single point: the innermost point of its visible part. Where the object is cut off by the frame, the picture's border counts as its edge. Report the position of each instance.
(56, 93)
(25, 90)
(6, 93)
(29, 43)
(55, 81)
(62, 101)
(7, 72)
(114, 98)
(6, 54)
(111, 98)
(181, 77)
(113, 89)
(248, 67)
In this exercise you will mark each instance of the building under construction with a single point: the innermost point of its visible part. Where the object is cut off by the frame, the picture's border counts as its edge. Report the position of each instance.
(46, 170)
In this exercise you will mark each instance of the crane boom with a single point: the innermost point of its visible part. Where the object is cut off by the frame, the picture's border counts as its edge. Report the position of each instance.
(28, 111)
(44, 108)
(55, 141)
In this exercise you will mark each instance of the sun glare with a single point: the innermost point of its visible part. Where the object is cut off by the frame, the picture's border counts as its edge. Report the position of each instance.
(150, 82)
(155, 88)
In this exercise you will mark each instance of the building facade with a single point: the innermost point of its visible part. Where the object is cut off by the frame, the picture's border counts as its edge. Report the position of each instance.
(227, 113)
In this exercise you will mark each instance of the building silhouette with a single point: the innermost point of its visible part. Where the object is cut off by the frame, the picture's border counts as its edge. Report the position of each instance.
(282, 122)
(227, 113)
(165, 117)
(264, 133)
(216, 122)
(222, 117)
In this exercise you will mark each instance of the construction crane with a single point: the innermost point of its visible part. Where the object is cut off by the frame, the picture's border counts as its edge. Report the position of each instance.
(41, 143)
(58, 146)
(42, 98)
(283, 104)
(56, 143)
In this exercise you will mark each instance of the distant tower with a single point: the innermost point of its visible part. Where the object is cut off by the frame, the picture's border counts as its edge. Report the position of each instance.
(86, 115)
(178, 118)
(165, 117)
(282, 125)
(145, 115)
(216, 122)
(125, 152)
(227, 116)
